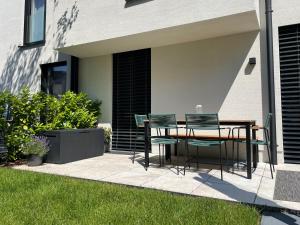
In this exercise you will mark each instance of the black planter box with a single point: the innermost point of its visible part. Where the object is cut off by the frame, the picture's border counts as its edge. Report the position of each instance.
(72, 145)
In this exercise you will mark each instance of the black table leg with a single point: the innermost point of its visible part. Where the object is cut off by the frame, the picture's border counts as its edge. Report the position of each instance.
(167, 147)
(254, 150)
(248, 149)
(146, 132)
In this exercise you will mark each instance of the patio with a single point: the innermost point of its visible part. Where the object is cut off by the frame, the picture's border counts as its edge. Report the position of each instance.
(117, 167)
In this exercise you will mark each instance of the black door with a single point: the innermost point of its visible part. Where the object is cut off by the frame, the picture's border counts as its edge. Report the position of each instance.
(131, 95)
(289, 45)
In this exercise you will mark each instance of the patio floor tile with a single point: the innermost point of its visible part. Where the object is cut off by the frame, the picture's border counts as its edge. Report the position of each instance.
(173, 183)
(225, 192)
(132, 177)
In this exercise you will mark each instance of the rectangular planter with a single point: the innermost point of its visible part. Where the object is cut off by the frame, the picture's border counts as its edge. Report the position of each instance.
(72, 145)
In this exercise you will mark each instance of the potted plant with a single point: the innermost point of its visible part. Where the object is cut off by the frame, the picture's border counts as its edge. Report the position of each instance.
(36, 148)
(107, 138)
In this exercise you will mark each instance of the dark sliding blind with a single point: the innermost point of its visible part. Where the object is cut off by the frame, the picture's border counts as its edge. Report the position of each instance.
(289, 45)
(131, 95)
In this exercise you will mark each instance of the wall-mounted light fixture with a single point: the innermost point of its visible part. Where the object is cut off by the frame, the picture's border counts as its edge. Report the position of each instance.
(252, 61)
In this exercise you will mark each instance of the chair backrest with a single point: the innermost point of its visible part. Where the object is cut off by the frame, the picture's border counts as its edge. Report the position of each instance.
(268, 121)
(162, 121)
(201, 121)
(139, 120)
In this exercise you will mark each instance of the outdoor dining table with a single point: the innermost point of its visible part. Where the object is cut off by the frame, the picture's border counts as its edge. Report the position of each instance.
(250, 133)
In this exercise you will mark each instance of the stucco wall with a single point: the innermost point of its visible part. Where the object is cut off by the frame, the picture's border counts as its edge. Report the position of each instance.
(20, 67)
(214, 73)
(95, 78)
(102, 20)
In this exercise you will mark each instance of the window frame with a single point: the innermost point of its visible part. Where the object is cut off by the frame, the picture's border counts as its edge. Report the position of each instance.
(72, 64)
(26, 26)
(45, 67)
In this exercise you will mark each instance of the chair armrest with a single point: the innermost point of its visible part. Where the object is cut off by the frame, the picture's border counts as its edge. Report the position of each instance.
(258, 128)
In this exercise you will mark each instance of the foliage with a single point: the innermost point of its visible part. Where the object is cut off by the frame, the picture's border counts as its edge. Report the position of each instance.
(35, 199)
(37, 145)
(107, 135)
(34, 113)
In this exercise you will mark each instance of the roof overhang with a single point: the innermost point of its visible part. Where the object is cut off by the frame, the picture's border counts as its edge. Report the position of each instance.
(222, 26)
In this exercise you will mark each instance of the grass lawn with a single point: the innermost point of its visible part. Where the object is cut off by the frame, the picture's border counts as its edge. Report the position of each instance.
(33, 198)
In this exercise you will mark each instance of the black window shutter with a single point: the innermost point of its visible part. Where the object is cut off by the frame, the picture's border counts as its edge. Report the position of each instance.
(289, 47)
(131, 95)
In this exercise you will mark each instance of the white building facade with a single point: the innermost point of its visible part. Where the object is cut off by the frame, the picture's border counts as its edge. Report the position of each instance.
(177, 54)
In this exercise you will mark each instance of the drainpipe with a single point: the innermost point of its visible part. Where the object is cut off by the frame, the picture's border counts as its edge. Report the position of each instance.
(271, 83)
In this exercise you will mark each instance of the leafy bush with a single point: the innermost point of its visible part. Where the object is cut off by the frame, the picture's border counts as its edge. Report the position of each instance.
(34, 113)
(37, 145)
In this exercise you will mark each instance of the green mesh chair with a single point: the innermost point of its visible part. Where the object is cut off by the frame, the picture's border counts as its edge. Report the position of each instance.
(203, 122)
(161, 122)
(139, 121)
(264, 142)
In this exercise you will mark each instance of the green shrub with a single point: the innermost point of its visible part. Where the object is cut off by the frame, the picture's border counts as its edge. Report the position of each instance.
(34, 113)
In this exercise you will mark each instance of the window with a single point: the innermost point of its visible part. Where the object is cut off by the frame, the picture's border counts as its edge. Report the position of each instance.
(54, 78)
(59, 77)
(35, 13)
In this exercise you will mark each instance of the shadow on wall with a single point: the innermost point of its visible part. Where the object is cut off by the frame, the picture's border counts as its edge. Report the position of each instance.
(22, 65)
(65, 23)
(21, 69)
(232, 65)
(203, 73)
(130, 3)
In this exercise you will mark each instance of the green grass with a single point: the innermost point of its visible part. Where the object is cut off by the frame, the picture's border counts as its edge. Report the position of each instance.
(33, 198)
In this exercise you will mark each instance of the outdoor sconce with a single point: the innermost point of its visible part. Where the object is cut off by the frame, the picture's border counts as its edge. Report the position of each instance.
(252, 61)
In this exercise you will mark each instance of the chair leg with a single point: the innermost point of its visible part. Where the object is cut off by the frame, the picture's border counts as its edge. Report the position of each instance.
(159, 156)
(226, 156)
(188, 156)
(232, 156)
(270, 162)
(221, 163)
(163, 155)
(177, 160)
(133, 157)
(238, 155)
(226, 152)
(197, 157)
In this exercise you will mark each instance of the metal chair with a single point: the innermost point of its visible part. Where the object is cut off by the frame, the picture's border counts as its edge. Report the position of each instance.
(203, 122)
(139, 121)
(161, 122)
(264, 142)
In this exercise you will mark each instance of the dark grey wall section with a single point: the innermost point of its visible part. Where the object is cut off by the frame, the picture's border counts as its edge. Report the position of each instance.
(72, 145)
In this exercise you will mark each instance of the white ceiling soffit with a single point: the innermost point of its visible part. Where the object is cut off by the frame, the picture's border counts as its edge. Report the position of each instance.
(223, 26)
